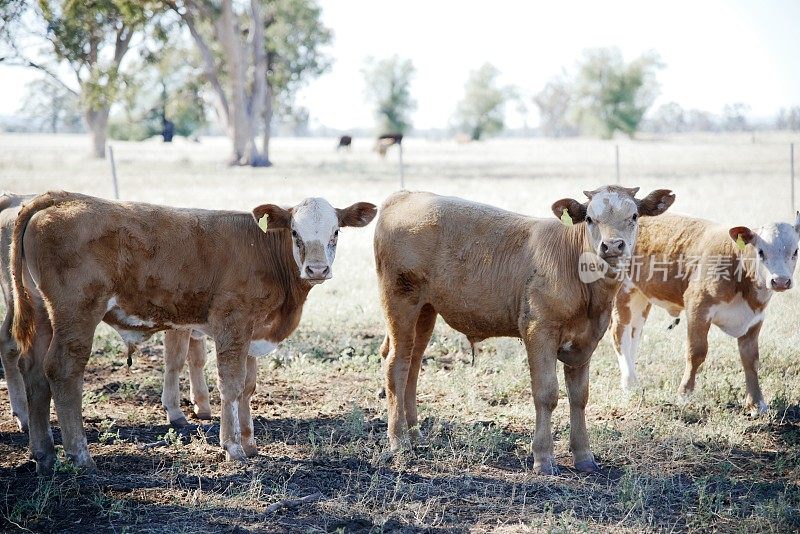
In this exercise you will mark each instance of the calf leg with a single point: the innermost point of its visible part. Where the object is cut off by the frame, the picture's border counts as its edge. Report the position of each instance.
(422, 335)
(197, 377)
(577, 381)
(245, 417)
(64, 366)
(696, 348)
(748, 352)
(398, 363)
(9, 354)
(37, 389)
(631, 309)
(176, 344)
(541, 349)
(231, 369)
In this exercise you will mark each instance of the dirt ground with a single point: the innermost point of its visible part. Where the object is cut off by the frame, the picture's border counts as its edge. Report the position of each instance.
(696, 466)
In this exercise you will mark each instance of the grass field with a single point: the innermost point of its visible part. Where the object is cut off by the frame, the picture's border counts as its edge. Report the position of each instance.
(667, 466)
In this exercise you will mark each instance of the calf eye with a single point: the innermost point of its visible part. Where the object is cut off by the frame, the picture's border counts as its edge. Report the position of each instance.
(336, 233)
(794, 256)
(635, 216)
(761, 254)
(589, 220)
(294, 233)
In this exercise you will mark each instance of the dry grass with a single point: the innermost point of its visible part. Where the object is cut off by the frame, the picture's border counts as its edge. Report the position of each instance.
(699, 466)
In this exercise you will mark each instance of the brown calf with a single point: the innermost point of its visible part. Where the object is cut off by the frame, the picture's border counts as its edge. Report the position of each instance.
(692, 265)
(78, 260)
(490, 272)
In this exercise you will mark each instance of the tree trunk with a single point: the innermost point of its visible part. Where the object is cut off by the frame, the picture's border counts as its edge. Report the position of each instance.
(97, 120)
(267, 116)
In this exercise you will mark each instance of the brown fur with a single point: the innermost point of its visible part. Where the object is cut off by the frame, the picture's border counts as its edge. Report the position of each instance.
(165, 268)
(669, 238)
(488, 273)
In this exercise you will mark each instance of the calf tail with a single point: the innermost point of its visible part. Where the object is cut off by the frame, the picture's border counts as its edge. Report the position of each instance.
(24, 325)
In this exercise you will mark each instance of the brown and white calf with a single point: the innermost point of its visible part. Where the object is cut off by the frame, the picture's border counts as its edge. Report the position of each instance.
(692, 265)
(10, 204)
(490, 272)
(78, 260)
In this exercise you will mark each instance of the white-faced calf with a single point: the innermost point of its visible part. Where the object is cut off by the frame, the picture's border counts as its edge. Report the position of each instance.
(717, 275)
(78, 260)
(490, 272)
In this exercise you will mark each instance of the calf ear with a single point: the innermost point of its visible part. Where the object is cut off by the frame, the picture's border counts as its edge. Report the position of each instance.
(359, 214)
(277, 217)
(747, 234)
(575, 209)
(656, 202)
(797, 223)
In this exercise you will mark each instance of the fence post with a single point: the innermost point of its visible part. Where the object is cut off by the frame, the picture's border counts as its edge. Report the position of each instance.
(400, 157)
(616, 158)
(791, 173)
(113, 172)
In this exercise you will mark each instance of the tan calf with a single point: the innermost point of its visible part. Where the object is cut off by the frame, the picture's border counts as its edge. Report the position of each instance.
(490, 272)
(78, 260)
(692, 265)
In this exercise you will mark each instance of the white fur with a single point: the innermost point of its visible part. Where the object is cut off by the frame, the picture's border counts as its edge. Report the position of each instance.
(734, 318)
(262, 347)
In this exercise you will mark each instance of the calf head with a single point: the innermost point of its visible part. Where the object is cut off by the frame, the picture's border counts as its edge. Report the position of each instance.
(776, 251)
(314, 225)
(612, 217)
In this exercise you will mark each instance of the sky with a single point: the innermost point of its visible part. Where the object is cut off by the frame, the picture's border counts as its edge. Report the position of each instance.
(715, 52)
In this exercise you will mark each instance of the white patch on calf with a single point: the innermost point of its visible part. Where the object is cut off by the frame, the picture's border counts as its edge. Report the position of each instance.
(315, 221)
(736, 317)
(261, 347)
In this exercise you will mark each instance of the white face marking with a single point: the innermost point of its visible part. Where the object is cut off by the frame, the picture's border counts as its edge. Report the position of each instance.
(315, 228)
(776, 252)
(611, 218)
(734, 318)
(262, 347)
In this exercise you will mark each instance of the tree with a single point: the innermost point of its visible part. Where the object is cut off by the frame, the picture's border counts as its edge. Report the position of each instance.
(295, 39)
(669, 118)
(482, 110)
(239, 57)
(49, 106)
(788, 119)
(91, 37)
(611, 95)
(388, 83)
(555, 105)
(734, 117)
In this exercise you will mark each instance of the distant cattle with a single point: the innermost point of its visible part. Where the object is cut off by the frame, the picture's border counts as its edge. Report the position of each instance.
(10, 204)
(385, 141)
(78, 260)
(345, 141)
(490, 272)
(692, 265)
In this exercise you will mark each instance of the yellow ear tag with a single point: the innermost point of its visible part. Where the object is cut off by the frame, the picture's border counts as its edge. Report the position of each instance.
(262, 223)
(565, 218)
(740, 242)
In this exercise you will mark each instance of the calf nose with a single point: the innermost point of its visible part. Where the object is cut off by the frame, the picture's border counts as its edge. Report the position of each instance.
(781, 283)
(612, 247)
(318, 271)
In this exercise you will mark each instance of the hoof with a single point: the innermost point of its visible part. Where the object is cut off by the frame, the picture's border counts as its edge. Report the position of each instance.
(203, 416)
(761, 409)
(235, 452)
(415, 435)
(684, 392)
(44, 463)
(250, 449)
(546, 467)
(587, 466)
(22, 425)
(83, 461)
(179, 423)
(400, 444)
